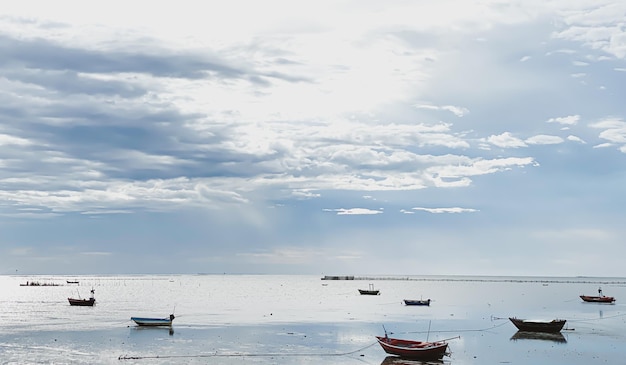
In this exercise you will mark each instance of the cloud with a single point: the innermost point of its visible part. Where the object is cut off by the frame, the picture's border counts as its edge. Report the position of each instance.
(597, 28)
(458, 111)
(576, 139)
(506, 140)
(543, 139)
(446, 210)
(355, 211)
(614, 131)
(96, 253)
(569, 120)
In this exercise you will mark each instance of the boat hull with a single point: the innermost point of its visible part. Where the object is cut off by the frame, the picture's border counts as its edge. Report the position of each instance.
(417, 302)
(538, 326)
(414, 350)
(153, 322)
(82, 302)
(369, 292)
(596, 299)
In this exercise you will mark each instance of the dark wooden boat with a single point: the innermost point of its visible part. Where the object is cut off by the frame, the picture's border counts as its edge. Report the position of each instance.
(83, 302)
(370, 291)
(417, 302)
(597, 299)
(550, 326)
(415, 350)
(153, 322)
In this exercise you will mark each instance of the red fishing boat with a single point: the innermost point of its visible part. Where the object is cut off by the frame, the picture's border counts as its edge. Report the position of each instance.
(416, 350)
(600, 298)
(597, 299)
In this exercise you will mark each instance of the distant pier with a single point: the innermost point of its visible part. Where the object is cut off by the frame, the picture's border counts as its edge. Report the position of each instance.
(500, 279)
(338, 277)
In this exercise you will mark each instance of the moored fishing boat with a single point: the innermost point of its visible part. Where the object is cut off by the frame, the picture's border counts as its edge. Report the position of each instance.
(83, 302)
(415, 350)
(600, 298)
(153, 322)
(597, 299)
(417, 302)
(539, 325)
(370, 291)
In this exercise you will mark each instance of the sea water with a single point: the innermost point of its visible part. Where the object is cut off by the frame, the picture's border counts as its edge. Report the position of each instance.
(267, 319)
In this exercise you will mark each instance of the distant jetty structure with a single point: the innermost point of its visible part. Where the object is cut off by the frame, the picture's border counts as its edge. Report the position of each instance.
(338, 277)
(508, 279)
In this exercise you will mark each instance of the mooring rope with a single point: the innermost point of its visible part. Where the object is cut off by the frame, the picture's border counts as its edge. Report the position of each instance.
(461, 330)
(216, 354)
(597, 319)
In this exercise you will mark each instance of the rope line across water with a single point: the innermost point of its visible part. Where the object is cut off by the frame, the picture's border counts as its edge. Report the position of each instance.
(126, 357)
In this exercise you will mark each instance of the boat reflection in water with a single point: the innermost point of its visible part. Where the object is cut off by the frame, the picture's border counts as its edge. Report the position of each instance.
(545, 336)
(147, 330)
(394, 360)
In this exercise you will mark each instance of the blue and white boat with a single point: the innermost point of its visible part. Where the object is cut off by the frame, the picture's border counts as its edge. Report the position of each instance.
(144, 321)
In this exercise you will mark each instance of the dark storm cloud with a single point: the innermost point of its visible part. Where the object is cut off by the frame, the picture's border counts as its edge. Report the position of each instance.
(47, 55)
(70, 82)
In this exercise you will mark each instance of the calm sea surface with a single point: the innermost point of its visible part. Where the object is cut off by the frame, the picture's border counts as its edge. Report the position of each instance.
(265, 319)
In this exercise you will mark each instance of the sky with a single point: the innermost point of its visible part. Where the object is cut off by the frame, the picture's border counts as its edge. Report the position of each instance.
(327, 137)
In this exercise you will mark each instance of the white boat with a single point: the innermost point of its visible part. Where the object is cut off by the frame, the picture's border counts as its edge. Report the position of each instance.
(153, 322)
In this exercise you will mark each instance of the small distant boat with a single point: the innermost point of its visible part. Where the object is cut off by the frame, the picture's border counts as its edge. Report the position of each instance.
(417, 302)
(550, 326)
(414, 350)
(84, 302)
(71, 281)
(370, 291)
(600, 298)
(153, 322)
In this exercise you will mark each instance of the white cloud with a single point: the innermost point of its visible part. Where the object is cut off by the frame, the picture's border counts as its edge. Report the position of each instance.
(96, 253)
(603, 145)
(355, 211)
(506, 140)
(569, 120)
(575, 139)
(614, 131)
(446, 210)
(456, 110)
(544, 139)
(12, 140)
